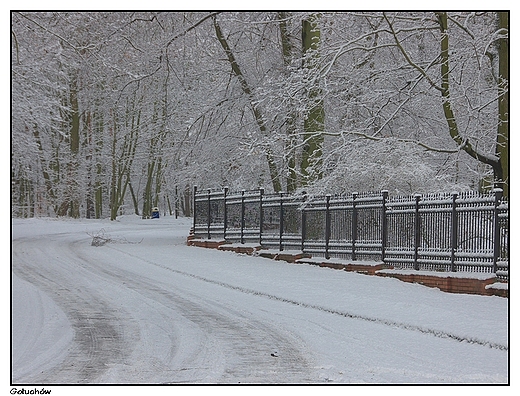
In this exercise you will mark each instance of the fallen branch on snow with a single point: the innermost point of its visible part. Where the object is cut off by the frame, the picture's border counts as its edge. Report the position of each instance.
(100, 239)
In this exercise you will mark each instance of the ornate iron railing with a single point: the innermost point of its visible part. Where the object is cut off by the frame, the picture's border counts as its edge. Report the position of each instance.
(442, 232)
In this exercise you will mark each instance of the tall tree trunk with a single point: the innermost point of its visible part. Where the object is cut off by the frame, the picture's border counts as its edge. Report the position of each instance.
(291, 118)
(134, 198)
(186, 203)
(89, 157)
(47, 179)
(147, 195)
(313, 125)
(502, 146)
(98, 148)
(158, 180)
(113, 179)
(74, 149)
(98, 188)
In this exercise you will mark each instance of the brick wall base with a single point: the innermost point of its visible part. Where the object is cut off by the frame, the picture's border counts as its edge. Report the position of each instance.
(290, 257)
(451, 284)
(444, 281)
(240, 249)
(369, 269)
(206, 243)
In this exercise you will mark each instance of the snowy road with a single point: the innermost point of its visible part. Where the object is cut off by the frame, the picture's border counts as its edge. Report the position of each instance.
(146, 308)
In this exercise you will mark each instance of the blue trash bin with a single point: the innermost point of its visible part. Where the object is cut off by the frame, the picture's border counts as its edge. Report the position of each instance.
(155, 213)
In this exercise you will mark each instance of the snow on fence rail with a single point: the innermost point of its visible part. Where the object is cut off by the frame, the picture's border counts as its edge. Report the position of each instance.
(442, 232)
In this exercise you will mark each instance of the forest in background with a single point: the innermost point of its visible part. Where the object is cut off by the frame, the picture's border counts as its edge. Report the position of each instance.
(119, 112)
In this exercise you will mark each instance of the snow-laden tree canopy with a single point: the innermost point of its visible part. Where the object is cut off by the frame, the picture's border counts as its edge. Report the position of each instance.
(122, 111)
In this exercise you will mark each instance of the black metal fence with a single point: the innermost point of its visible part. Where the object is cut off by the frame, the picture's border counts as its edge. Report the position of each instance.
(438, 232)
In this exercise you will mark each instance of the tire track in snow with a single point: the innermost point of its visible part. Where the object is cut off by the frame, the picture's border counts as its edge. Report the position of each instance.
(248, 345)
(233, 347)
(98, 338)
(106, 335)
(385, 322)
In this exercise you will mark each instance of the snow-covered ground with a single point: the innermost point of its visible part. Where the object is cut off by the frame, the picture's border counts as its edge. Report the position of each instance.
(146, 308)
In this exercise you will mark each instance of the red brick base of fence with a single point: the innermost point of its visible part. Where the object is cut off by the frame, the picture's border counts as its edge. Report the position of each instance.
(289, 256)
(362, 267)
(206, 243)
(239, 248)
(452, 282)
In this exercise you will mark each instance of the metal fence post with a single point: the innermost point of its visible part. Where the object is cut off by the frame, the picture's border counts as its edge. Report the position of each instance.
(242, 218)
(354, 225)
(417, 232)
(304, 221)
(327, 226)
(261, 216)
(384, 225)
(176, 202)
(281, 221)
(209, 213)
(454, 229)
(226, 189)
(496, 228)
(194, 208)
